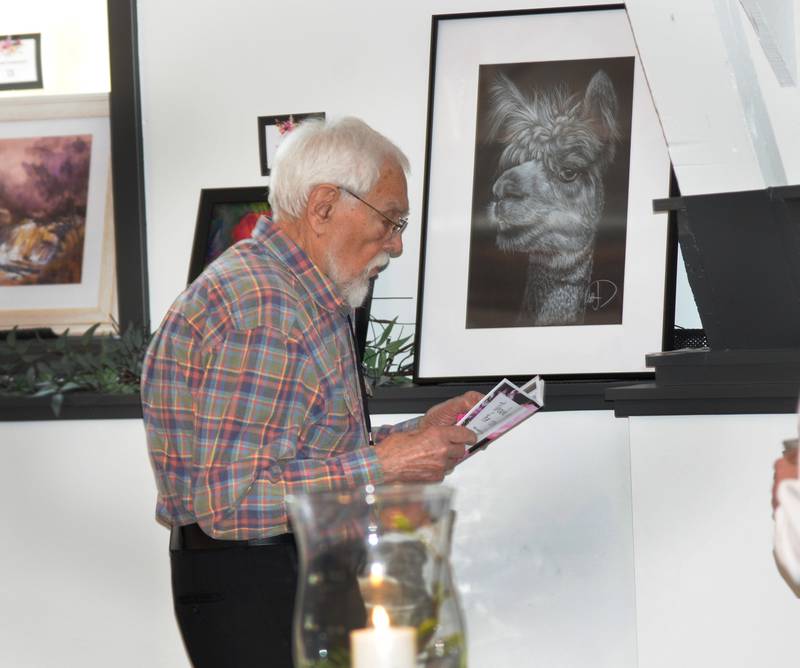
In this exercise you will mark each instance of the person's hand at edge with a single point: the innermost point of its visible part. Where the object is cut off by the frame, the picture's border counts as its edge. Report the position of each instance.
(785, 469)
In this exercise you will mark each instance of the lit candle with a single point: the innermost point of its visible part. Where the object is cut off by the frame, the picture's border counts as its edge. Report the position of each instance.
(383, 646)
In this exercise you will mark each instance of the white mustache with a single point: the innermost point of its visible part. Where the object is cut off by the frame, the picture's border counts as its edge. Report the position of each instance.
(380, 262)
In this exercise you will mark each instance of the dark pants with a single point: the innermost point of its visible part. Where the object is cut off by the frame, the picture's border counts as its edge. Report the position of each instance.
(234, 605)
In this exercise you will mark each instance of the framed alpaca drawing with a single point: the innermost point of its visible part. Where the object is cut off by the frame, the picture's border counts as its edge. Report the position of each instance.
(57, 259)
(540, 249)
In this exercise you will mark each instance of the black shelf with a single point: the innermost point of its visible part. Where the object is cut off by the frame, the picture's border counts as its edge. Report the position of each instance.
(76, 406)
(404, 399)
(687, 382)
(713, 382)
(560, 395)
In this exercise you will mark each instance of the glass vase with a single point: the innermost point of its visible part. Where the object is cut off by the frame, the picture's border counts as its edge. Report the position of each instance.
(375, 583)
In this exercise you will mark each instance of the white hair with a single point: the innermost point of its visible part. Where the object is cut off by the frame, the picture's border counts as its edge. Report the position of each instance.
(345, 152)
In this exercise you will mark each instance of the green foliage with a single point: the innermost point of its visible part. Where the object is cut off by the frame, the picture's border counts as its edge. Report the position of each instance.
(91, 362)
(389, 353)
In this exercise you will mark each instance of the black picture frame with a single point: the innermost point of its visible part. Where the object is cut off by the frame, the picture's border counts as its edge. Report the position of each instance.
(266, 140)
(36, 44)
(219, 211)
(127, 166)
(81, 291)
(448, 347)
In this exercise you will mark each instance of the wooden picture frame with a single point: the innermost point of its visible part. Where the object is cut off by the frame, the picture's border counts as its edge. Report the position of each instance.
(57, 259)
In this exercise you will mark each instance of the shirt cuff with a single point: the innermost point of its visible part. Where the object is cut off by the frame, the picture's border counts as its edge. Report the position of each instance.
(362, 467)
(388, 429)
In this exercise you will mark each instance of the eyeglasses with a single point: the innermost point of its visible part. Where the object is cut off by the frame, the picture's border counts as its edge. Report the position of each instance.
(397, 226)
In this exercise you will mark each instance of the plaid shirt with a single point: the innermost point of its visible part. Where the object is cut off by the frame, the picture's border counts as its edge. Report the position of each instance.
(250, 392)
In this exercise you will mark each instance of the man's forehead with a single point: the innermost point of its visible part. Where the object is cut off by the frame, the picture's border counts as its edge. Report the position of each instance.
(392, 187)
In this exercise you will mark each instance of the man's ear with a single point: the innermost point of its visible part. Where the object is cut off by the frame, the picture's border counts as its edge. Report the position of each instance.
(321, 201)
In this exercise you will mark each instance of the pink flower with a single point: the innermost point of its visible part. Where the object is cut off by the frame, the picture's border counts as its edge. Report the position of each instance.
(286, 126)
(9, 46)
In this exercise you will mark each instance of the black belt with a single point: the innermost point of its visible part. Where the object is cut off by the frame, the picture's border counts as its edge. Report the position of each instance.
(192, 537)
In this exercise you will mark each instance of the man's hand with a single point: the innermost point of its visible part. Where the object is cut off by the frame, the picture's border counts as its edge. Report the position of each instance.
(425, 455)
(448, 412)
(785, 468)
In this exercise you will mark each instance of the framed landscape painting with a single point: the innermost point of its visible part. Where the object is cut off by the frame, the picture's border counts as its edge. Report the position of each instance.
(541, 253)
(56, 221)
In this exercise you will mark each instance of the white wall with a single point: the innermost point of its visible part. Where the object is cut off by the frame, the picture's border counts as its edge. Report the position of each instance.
(84, 568)
(352, 57)
(706, 587)
(575, 545)
(716, 95)
(200, 105)
(74, 43)
(543, 546)
(372, 60)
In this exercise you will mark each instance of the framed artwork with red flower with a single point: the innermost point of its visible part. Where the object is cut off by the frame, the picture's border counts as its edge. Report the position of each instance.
(272, 130)
(225, 216)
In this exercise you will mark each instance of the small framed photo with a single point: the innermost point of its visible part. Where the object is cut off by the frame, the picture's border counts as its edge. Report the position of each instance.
(225, 216)
(540, 252)
(21, 62)
(272, 130)
(57, 258)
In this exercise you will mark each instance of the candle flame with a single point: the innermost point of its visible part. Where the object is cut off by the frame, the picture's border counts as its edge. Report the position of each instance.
(376, 573)
(380, 618)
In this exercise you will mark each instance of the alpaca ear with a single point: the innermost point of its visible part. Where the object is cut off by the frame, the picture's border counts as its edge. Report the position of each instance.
(504, 101)
(600, 109)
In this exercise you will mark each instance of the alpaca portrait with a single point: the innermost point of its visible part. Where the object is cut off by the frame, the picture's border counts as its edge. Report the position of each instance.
(549, 196)
(544, 202)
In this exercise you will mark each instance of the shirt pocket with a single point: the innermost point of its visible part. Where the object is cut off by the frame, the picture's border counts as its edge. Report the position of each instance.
(337, 427)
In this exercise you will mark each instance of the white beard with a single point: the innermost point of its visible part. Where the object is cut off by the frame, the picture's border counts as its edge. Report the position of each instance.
(354, 290)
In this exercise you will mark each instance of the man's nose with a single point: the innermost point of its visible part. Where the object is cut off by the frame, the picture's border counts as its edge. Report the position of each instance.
(394, 246)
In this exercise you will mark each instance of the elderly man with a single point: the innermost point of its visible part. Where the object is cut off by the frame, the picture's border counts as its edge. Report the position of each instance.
(251, 391)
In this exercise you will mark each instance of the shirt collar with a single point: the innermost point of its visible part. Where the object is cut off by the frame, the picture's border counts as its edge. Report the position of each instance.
(317, 284)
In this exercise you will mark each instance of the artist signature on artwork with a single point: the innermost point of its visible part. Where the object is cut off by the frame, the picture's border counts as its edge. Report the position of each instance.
(600, 294)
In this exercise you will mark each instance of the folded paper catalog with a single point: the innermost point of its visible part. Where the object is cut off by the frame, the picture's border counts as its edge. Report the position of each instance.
(501, 409)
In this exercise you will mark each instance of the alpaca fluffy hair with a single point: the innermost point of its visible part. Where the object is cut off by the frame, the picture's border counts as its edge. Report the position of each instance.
(554, 125)
(549, 194)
